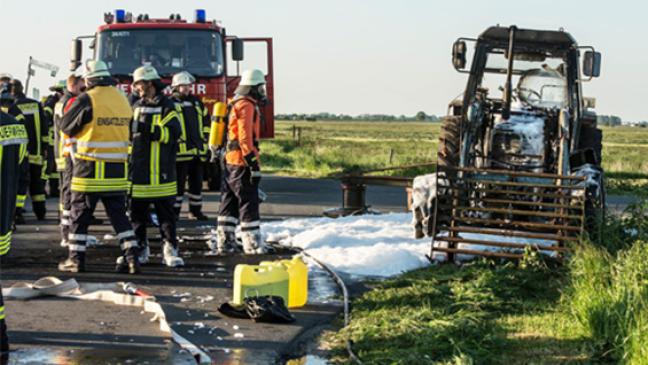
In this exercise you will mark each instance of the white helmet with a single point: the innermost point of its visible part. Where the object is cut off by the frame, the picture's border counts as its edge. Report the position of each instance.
(96, 69)
(145, 73)
(252, 78)
(182, 78)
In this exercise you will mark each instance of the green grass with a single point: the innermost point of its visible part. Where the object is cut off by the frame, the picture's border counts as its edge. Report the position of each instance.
(591, 310)
(326, 149)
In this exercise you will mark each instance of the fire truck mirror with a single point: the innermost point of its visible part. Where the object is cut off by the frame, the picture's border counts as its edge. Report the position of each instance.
(237, 49)
(75, 55)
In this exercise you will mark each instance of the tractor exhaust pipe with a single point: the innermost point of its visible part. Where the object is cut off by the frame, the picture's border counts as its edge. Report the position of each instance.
(508, 88)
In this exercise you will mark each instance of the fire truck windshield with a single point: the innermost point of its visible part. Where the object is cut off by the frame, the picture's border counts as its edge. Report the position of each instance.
(168, 50)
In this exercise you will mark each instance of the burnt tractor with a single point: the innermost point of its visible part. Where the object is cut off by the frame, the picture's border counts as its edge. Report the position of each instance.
(519, 162)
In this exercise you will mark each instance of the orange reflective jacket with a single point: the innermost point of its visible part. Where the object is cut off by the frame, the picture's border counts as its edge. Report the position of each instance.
(243, 130)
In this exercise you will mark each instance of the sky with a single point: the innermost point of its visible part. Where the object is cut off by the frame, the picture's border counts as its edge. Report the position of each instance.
(360, 56)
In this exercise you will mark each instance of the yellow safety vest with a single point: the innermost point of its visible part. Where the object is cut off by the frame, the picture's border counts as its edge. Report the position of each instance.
(106, 137)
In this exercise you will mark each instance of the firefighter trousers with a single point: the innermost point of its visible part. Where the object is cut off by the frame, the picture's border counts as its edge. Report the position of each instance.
(36, 187)
(165, 214)
(81, 215)
(193, 170)
(239, 200)
(65, 199)
(4, 339)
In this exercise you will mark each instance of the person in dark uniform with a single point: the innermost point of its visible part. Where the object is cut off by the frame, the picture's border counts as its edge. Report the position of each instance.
(99, 120)
(38, 132)
(154, 134)
(192, 146)
(13, 149)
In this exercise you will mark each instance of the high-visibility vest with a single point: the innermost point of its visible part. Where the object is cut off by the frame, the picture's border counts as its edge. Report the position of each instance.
(106, 137)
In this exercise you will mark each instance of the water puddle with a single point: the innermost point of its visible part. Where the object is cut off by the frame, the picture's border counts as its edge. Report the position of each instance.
(47, 356)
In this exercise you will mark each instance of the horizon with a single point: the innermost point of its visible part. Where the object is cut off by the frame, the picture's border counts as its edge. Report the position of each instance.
(364, 57)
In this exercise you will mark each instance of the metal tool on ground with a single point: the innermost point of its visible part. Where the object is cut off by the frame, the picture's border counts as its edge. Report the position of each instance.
(354, 187)
(524, 161)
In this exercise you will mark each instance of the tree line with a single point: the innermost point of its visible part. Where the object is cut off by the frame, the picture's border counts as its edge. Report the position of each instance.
(418, 117)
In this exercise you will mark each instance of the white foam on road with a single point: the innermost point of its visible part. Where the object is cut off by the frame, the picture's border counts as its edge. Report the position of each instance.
(370, 245)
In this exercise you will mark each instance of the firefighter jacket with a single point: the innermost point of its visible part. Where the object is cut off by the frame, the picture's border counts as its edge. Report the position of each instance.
(48, 109)
(243, 130)
(62, 142)
(99, 121)
(194, 123)
(154, 134)
(13, 148)
(36, 125)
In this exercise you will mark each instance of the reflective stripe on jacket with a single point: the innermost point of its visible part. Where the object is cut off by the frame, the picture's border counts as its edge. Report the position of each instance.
(192, 115)
(13, 148)
(153, 155)
(106, 137)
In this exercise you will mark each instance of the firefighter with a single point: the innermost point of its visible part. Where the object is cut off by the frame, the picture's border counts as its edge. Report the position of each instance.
(241, 176)
(62, 146)
(192, 149)
(99, 120)
(13, 148)
(36, 125)
(49, 105)
(154, 134)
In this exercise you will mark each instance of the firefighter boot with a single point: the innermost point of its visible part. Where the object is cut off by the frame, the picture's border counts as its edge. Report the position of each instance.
(20, 218)
(197, 214)
(4, 339)
(252, 244)
(39, 210)
(170, 255)
(144, 256)
(128, 265)
(224, 242)
(74, 263)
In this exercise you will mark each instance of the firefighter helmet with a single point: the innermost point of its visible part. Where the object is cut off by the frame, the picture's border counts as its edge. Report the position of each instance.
(96, 69)
(59, 86)
(145, 73)
(252, 78)
(182, 78)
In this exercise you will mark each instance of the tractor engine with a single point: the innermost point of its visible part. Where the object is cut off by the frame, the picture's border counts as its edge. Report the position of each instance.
(519, 143)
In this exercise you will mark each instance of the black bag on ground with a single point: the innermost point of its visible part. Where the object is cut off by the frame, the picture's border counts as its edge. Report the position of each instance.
(268, 308)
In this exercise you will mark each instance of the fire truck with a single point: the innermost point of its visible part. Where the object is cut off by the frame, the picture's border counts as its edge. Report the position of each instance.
(202, 47)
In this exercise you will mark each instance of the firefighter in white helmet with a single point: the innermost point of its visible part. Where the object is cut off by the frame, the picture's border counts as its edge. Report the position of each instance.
(242, 173)
(154, 135)
(192, 146)
(99, 120)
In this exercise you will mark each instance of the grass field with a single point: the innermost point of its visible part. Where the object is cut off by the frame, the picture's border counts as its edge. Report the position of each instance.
(591, 310)
(327, 148)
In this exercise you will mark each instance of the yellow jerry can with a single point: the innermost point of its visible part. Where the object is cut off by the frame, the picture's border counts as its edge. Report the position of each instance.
(256, 280)
(298, 280)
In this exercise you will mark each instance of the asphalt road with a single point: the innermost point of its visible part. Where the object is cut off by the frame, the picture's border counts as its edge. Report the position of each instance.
(97, 333)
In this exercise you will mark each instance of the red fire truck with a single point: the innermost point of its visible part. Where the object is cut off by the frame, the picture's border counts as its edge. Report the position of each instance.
(174, 44)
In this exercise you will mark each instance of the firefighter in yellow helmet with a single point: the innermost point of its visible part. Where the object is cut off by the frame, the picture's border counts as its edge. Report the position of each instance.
(99, 120)
(13, 148)
(192, 146)
(154, 134)
(240, 187)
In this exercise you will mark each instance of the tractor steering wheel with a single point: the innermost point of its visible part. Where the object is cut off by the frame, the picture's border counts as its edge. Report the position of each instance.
(530, 92)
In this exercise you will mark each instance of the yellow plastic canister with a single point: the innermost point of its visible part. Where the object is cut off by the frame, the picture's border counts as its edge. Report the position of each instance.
(256, 280)
(298, 280)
